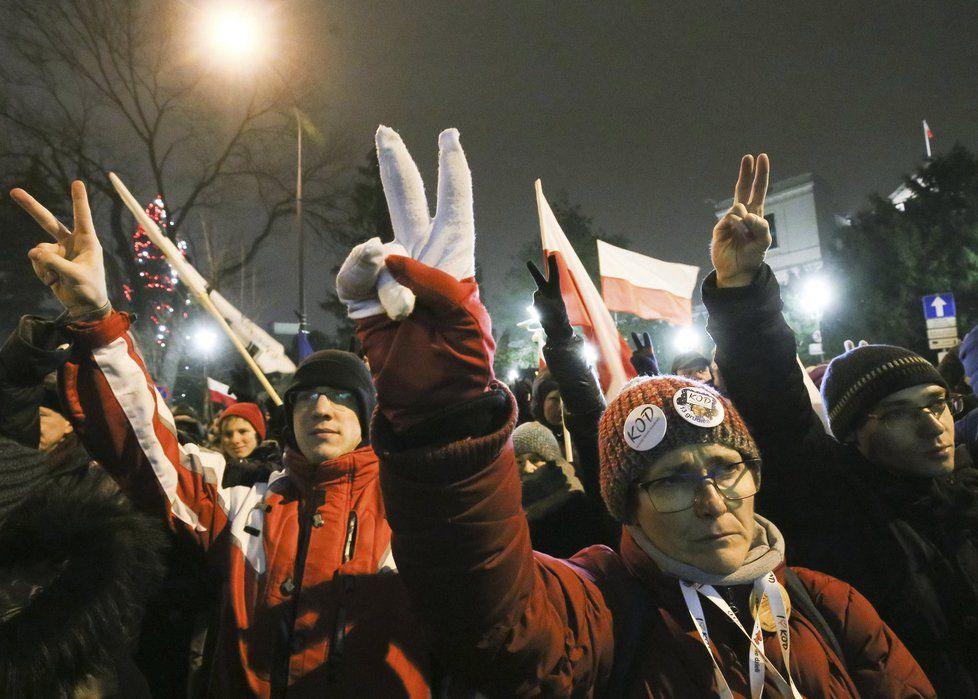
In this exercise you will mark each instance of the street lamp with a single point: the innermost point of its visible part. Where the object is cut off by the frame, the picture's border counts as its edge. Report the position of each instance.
(817, 295)
(686, 339)
(237, 33)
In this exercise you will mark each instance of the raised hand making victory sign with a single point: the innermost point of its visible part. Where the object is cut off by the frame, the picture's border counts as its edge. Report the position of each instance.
(72, 266)
(440, 349)
(742, 236)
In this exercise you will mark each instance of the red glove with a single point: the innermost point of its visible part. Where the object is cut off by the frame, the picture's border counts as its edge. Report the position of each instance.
(441, 355)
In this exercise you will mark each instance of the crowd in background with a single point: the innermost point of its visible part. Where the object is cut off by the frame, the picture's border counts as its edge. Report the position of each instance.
(414, 527)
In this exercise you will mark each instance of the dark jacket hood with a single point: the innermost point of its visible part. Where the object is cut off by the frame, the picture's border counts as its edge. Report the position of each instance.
(76, 567)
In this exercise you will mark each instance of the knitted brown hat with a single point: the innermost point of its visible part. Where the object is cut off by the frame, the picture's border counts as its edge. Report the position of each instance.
(653, 415)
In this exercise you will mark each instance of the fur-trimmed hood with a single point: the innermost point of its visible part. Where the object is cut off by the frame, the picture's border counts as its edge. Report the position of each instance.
(76, 566)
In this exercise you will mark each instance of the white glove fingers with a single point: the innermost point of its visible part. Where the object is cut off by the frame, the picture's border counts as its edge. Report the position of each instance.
(451, 246)
(403, 188)
(454, 181)
(397, 300)
(357, 279)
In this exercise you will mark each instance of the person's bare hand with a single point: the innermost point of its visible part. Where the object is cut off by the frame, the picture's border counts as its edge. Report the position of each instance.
(741, 238)
(72, 266)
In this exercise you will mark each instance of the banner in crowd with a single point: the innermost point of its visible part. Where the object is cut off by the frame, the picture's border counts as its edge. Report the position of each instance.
(585, 308)
(220, 393)
(649, 288)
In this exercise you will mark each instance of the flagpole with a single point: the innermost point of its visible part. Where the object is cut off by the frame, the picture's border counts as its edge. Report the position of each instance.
(300, 233)
(186, 273)
(926, 137)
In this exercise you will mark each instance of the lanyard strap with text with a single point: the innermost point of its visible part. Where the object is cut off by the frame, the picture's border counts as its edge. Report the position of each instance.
(767, 586)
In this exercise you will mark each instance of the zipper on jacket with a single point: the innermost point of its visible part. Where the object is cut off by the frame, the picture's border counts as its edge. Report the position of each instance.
(283, 654)
(350, 542)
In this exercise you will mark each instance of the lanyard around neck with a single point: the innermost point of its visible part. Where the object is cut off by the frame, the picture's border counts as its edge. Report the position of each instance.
(767, 585)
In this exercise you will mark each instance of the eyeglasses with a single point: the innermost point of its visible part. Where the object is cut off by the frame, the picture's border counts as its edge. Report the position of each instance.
(677, 492)
(335, 395)
(906, 416)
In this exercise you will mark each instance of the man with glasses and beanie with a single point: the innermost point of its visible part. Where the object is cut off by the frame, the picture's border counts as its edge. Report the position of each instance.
(879, 502)
(699, 603)
(312, 602)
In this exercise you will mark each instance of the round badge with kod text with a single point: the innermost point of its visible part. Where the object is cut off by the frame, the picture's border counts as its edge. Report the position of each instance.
(698, 406)
(645, 427)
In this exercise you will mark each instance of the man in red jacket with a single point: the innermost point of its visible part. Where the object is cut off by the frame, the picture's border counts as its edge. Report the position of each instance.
(313, 606)
(667, 616)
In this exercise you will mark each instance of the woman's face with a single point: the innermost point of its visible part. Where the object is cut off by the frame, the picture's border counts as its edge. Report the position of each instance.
(714, 534)
(238, 437)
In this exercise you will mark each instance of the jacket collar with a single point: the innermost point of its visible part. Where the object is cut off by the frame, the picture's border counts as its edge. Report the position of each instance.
(359, 465)
(651, 565)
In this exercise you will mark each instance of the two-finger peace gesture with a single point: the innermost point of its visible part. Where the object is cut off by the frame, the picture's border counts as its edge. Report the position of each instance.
(742, 236)
(445, 241)
(72, 266)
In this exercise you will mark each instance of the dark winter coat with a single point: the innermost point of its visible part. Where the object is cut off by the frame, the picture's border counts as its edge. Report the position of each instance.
(513, 623)
(36, 348)
(908, 544)
(77, 564)
(31, 352)
(583, 406)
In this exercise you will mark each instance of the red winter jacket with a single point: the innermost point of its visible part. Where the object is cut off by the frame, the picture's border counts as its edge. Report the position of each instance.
(313, 599)
(515, 623)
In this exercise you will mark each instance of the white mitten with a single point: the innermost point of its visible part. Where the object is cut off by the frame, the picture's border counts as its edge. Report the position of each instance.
(356, 282)
(446, 242)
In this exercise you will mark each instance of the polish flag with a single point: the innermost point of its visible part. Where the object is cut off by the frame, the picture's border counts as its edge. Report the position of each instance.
(220, 393)
(584, 305)
(647, 287)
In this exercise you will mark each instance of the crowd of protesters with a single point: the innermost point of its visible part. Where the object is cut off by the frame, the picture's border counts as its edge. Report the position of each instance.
(414, 528)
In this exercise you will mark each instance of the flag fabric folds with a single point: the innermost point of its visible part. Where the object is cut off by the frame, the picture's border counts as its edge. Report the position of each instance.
(647, 287)
(220, 393)
(585, 308)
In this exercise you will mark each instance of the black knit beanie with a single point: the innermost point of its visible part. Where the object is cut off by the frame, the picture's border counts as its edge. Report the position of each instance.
(336, 369)
(856, 381)
(543, 385)
(23, 471)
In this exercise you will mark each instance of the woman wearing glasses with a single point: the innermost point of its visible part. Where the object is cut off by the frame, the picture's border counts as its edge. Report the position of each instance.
(698, 603)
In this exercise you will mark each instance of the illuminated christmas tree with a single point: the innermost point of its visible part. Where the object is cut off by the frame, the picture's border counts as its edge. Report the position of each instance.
(160, 285)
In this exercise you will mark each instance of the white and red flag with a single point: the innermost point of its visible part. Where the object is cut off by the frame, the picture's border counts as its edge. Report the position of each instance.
(220, 393)
(646, 287)
(928, 137)
(585, 308)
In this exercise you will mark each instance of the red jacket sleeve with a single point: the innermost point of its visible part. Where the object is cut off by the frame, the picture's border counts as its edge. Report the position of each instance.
(125, 425)
(877, 661)
(510, 622)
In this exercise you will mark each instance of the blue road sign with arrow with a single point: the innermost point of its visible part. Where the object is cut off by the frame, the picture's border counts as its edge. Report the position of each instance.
(939, 306)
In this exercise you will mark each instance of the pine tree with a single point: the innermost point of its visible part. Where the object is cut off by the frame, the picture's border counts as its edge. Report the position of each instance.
(892, 256)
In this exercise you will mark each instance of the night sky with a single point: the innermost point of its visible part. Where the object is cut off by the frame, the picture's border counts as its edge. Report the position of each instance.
(639, 111)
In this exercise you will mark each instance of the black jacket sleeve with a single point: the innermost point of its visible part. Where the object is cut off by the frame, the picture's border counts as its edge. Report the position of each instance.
(583, 404)
(33, 350)
(757, 357)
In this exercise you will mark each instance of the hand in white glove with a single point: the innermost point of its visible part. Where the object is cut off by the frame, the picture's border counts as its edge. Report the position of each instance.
(356, 283)
(446, 242)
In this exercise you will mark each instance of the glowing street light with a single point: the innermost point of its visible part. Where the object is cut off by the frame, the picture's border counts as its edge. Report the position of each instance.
(206, 341)
(235, 32)
(816, 295)
(686, 339)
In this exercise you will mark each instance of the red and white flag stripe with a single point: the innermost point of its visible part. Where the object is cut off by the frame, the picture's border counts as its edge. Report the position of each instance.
(647, 287)
(585, 307)
(220, 393)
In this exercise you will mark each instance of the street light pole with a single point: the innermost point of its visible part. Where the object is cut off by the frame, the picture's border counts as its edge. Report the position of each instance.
(300, 232)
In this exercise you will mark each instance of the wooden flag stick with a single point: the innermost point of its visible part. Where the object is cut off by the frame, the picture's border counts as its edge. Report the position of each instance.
(191, 278)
